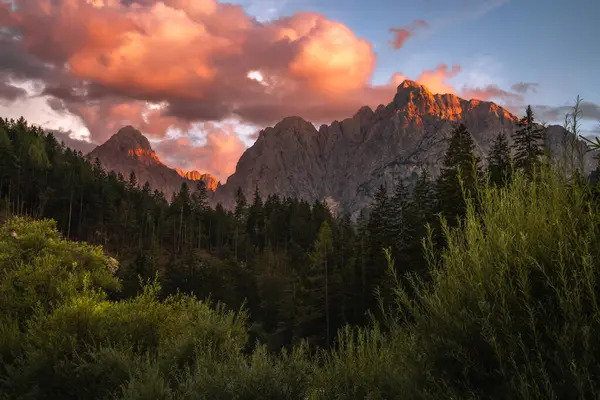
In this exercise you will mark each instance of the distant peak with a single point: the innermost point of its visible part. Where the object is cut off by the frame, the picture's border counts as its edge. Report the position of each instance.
(294, 123)
(211, 181)
(411, 92)
(129, 138)
(407, 83)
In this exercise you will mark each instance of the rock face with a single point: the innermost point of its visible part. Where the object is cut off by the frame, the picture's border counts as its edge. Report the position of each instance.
(346, 161)
(128, 150)
(211, 181)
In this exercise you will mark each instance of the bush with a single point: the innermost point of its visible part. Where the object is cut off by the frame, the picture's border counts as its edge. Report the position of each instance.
(62, 337)
(510, 311)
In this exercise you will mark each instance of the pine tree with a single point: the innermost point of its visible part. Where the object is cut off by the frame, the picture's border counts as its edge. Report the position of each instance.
(199, 205)
(133, 182)
(240, 214)
(378, 240)
(256, 221)
(423, 207)
(319, 257)
(7, 161)
(499, 161)
(528, 143)
(398, 222)
(460, 165)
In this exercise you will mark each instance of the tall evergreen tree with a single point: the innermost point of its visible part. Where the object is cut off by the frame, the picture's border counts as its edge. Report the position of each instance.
(529, 139)
(133, 182)
(399, 228)
(460, 165)
(240, 215)
(199, 205)
(319, 258)
(378, 239)
(499, 160)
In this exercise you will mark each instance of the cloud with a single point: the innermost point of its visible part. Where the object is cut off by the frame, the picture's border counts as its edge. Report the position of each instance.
(192, 56)
(401, 35)
(524, 87)
(434, 79)
(176, 65)
(492, 92)
(218, 155)
(589, 111)
(74, 143)
(10, 93)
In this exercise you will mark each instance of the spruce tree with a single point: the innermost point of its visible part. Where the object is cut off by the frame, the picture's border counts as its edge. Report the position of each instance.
(460, 165)
(240, 215)
(378, 240)
(528, 143)
(319, 259)
(422, 213)
(7, 160)
(398, 221)
(133, 182)
(199, 205)
(499, 159)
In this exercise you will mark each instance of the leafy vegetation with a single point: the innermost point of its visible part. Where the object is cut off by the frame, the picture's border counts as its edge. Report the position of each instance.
(495, 297)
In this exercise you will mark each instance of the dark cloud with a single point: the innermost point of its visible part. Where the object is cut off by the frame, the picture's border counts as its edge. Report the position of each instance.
(10, 93)
(524, 87)
(492, 92)
(589, 111)
(75, 144)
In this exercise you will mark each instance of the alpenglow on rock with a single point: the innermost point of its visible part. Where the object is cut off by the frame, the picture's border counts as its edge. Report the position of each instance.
(346, 161)
(128, 150)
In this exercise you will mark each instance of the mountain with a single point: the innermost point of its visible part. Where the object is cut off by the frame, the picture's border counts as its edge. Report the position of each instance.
(343, 163)
(211, 181)
(128, 150)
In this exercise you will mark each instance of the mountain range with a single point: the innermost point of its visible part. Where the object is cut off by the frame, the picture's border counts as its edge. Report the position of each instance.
(342, 163)
(128, 150)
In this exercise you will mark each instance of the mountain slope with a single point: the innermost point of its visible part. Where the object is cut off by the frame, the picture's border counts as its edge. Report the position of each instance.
(128, 150)
(346, 161)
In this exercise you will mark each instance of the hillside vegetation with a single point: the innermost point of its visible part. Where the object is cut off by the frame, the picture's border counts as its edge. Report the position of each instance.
(487, 288)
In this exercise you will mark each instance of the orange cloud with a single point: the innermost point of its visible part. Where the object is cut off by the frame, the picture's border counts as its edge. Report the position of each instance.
(218, 156)
(401, 35)
(196, 56)
(434, 79)
(109, 62)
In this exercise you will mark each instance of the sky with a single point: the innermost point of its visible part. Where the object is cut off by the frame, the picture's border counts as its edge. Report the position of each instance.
(201, 78)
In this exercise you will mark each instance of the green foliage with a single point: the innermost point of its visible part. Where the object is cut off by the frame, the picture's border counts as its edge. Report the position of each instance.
(506, 309)
(39, 269)
(70, 341)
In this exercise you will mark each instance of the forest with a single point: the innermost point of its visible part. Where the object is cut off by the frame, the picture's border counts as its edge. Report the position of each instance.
(480, 284)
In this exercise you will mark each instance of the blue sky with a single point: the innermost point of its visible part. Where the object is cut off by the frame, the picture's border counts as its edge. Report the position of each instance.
(553, 43)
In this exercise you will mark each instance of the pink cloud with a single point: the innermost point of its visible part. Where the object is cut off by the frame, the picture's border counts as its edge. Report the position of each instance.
(218, 156)
(401, 35)
(107, 62)
(434, 79)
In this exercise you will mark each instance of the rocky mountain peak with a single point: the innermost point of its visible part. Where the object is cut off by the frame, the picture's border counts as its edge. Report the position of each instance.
(296, 124)
(347, 160)
(410, 95)
(129, 138)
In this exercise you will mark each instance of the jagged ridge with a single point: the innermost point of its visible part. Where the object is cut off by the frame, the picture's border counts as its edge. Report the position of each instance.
(347, 160)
